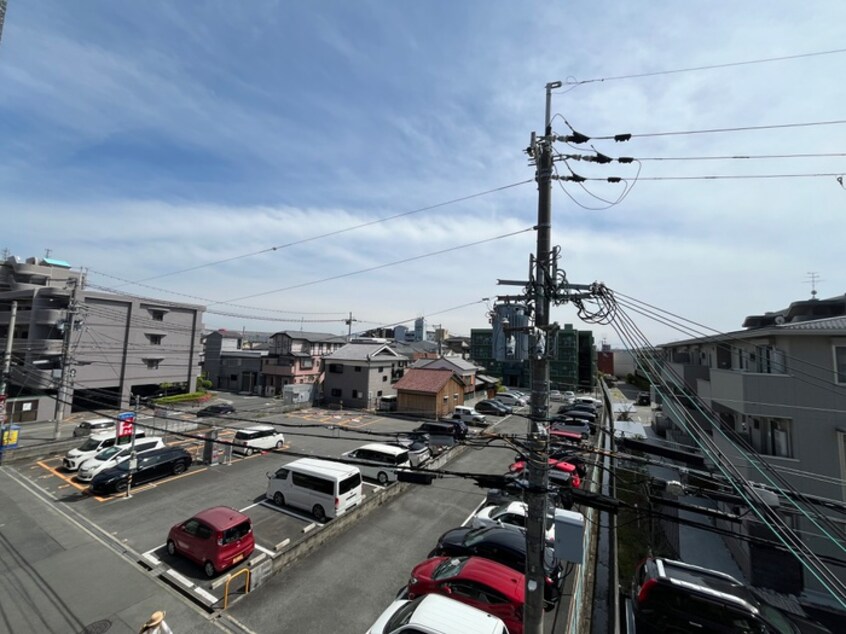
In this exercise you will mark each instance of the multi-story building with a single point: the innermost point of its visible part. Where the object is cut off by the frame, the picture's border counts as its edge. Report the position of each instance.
(120, 345)
(359, 374)
(230, 364)
(296, 357)
(780, 386)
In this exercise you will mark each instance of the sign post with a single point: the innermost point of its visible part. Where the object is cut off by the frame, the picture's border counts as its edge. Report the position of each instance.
(126, 427)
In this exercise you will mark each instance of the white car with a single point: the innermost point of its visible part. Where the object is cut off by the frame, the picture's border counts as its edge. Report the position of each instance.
(251, 440)
(469, 416)
(511, 399)
(569, 396)
(113, 456)
(435, 614)
(507, 515)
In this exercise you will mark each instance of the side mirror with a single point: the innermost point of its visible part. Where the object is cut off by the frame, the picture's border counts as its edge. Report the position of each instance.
(269, 475)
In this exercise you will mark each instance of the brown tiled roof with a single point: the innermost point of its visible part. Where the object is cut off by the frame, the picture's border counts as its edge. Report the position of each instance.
(425, 380)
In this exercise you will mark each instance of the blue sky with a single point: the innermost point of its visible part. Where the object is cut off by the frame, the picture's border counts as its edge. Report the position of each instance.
(146, 138)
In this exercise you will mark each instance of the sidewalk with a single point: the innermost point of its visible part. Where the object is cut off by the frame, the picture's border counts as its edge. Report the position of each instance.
(56, 576)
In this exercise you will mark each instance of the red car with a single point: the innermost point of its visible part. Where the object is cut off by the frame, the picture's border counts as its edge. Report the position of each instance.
(476, 581)
(560, 472)
(217, 538)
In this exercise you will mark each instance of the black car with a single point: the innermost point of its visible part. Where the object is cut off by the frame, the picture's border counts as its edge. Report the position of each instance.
(503, 545)
(216, 410)
(455, 428)
(494, 408)
(643, 398)
(152, 465)
(580, 414)
(672, 596)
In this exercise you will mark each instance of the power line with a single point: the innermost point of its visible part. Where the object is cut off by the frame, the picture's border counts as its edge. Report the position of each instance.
(617, 179)
(706, 67)
(779, 126)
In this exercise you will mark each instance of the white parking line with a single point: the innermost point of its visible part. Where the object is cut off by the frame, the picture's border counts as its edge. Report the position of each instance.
(264, 550)
(247, 508)
(152, 550)
(305, 518)
(476, 510)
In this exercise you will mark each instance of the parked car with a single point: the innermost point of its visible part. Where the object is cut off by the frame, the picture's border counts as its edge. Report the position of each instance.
(379, 461)
(216, 410)
(217, 538)
(588, 400)
(325, 488)
(457, 429)
(469, 416)
(644, 398)
(417, 446)
(574, 425)
(569, 411)
(253, 439)
(153, 465)
(475, 581)
(512, 400)
(503, 545)
(508, 515)
(93, 445)
(493, 408)
(113, 456)
(560, 472)
(579, 407)
(88, 427)
(556, 395)
(672, 596)
(435, 614)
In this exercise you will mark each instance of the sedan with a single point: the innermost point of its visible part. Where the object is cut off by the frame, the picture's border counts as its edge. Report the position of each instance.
(502, 545)
(508, 515)
(494, 408)
(153, 465)
(216, 410)
(560, 472)
(481, 583)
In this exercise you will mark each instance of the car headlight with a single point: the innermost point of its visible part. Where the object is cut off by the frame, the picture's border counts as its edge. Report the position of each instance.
(412, 581)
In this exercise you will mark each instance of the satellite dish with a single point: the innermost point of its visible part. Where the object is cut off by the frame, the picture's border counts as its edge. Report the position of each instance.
(779, 320)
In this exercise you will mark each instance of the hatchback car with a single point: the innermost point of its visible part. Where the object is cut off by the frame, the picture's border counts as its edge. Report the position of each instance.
(512, 400)
(493, 408)
(417, 447)
(216, 410)
(503, 545)
(479, 582)
(508, 515)
(260, 437)
(435, 614)
(88, 427)
(672, 596)
(217, 538)
(153, 465)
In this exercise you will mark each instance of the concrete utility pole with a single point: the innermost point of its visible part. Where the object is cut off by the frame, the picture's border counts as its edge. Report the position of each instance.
(538, 436)
(67, 373)
(349, 326)
(4, 379)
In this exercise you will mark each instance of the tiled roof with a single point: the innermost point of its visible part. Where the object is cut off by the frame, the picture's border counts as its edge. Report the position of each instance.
(462, 364)
(424, 380)
(364, 352)
(829, 323)
(312, 337)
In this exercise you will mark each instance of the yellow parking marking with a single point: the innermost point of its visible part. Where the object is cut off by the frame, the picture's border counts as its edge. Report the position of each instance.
(153, 485)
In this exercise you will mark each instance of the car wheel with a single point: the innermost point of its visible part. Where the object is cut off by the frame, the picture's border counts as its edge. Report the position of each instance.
(171, 547)
(278, 499)
(319, 513)
(382, 478)
(178, 468)
(121, 486)
(250, 451)
(208, 568)
(280, 444)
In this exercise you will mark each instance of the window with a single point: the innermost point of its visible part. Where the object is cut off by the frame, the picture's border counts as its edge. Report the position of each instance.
(336, 368)
(840, 364)
(203, 531)
(384, 379)
(313, 483)
(357, 394)
(358, 368)
(157, 315)
(155, 340)
(779, 438)
(152, 364)
(336, 391)
(282, 474)
(379, 393)
(306, 364)
(191, 526)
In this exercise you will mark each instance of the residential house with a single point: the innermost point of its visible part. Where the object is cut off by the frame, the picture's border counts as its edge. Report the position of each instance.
(458, 345)
(296, 357)
(465, 370)
(359, 374)
(121, 345)
(429, 392)
(231, 365)
(415, 350)
(780, 386)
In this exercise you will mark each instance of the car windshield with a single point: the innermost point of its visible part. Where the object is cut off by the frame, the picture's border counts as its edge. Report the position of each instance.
(449, 568)
(108, 453)
(90, 445)
(499, 510)
(123, 466)
(402, 615)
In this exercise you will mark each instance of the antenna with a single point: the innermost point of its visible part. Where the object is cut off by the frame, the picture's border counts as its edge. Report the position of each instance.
(814, 278)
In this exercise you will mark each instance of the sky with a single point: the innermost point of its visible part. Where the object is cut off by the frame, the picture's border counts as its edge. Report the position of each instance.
(140, 140)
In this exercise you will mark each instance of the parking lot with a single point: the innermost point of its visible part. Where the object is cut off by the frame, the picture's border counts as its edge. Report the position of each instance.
(140, 521)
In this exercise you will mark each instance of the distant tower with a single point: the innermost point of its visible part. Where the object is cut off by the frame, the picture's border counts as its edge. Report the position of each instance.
(420, 329)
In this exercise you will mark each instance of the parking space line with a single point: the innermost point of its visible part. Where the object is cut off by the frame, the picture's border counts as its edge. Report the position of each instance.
(61, 476)
(293, 514)
(476, 510)
(247, 508)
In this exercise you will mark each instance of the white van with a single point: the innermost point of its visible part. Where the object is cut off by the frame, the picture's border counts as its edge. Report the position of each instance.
(382, 461)
(324, 488)
(94, 445)
(113, 456)
(253, 439)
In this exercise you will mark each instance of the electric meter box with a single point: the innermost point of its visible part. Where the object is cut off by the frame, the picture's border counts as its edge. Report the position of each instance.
(569, 536)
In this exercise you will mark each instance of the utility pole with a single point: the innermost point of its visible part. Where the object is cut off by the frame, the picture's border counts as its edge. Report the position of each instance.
(4, 379)
(538, 436)
(349, 323)
(67, 373)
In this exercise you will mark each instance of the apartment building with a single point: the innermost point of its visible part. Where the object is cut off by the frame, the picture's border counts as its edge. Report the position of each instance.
(780, 385)
(120, 345)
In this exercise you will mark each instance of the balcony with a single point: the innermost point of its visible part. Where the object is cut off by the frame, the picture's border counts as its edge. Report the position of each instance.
(753, 393)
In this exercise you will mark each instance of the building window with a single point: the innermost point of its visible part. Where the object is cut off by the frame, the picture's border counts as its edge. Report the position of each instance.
(306, 364)
(233, 377)
(384, 378)
(152, 364)
(336, 368)
(776, 437)
(358, 368)
(335, 391)
(379, 393)
(357, 394)
(157, 315)
(840, 363)
(155, 340)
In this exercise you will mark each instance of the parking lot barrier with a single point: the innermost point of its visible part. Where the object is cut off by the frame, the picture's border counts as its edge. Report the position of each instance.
(310, 527)
(229, 578)
(282, 544)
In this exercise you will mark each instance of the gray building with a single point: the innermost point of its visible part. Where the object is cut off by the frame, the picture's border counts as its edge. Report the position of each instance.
(230, 364)
(779, 385)
(358, 375)
(121, 345)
